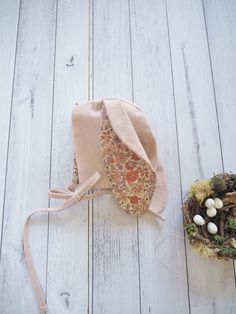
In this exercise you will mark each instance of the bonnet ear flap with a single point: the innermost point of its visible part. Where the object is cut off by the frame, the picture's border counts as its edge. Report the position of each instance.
(128, 168)
(160, 195)
(123, 127)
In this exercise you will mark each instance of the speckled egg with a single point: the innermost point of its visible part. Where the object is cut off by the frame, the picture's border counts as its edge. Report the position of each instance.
(209, 203)
(211, 212)
(218, 203)
(198, 220)
(212, 228)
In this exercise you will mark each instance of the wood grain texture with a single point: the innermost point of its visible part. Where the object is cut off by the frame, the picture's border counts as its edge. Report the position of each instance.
(9, 16)
(199, 143)
(162, 253)
(29, 155)
(221, 24)
(176, 60)
(220, 19)
(115, 246)
(67, 283)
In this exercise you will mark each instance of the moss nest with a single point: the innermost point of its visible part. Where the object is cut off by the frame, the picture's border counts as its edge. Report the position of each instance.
(222, 244)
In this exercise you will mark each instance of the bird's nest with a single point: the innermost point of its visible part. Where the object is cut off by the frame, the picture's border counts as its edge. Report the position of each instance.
(221, 242)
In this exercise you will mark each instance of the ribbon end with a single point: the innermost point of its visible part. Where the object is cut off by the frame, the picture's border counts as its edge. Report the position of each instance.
(157, 214)
(43, 308)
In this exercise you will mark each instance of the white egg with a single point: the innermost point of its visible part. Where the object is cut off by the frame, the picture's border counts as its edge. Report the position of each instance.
(212, 228)
(198, 220)
(218, 203)
(211, 212)
(209, 203)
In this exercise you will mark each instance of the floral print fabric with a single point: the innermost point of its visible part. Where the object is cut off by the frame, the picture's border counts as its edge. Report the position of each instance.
(132, 179)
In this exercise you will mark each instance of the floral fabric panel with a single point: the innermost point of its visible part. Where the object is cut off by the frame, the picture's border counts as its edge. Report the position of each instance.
(132, 179)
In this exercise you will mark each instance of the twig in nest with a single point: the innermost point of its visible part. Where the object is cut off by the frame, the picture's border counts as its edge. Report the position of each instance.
(233, 213)
(204, 232)
(197, 209)
(222, 224)
(226, 208)
(200, 238)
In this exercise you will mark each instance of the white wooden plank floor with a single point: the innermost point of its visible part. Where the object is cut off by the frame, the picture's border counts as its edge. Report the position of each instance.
(176, 60)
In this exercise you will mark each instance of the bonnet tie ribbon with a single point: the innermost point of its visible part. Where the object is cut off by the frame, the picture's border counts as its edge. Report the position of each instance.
(70, 198)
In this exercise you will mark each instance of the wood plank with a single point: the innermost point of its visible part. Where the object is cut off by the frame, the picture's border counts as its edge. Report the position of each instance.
(9, 12)
(68, 230)
(162, 276)
(221, 24)
(90, 210)
(29, 155)
(115, 247)
(220, 21)
(199, 144)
